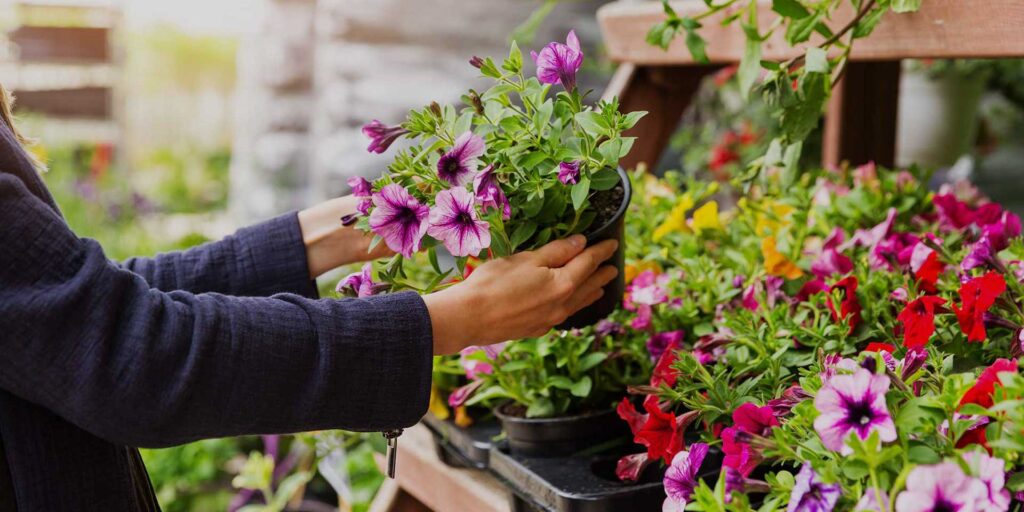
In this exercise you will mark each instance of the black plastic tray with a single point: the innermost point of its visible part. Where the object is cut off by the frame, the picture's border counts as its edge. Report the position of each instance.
(582, 484)
(463, 447)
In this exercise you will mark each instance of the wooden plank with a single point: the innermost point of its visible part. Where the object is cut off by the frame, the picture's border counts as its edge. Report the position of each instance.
(80, 103)
(431, 483)
(62, 44)
(664, 92)
(942, 29)
(860, 126)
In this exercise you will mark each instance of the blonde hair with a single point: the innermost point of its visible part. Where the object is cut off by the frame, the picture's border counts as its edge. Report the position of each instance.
(7, 117)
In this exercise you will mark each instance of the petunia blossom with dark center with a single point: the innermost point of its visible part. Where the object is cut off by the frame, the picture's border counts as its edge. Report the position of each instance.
(810, 494)
(454, 222)
(399, 219)
(558, 63)
(459, 166)
(853, 404)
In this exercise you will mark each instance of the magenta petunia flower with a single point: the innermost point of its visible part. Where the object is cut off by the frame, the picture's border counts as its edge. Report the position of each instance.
(810, 494)
(871, 237)
(942, 487)
(475, 367)
(681, 477)
(461, 395)
(454, 222)
(1002, 230)
(853, 404)
(381, 135)
(893, 252)
(399, 219)
(359, 284)
(458, 166)
(659, 343)
(789, 399)
(558, 63)
(569, 172)
(489, 193)
(363, 191)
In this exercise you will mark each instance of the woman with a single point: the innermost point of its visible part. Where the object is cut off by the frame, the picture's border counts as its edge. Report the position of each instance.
(97, 357)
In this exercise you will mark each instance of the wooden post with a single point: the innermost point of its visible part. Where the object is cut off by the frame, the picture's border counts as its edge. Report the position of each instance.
(860, 125)
(664, 92)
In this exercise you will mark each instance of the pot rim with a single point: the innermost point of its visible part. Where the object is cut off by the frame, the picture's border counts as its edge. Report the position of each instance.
(627, 197)
(546, 421)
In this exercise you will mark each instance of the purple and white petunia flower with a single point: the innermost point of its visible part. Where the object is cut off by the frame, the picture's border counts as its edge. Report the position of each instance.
(458, 166)
(399, 219)
(359, 284)
(810, 494)
(489, 193)
(868, 502)
(992, 472)
(569, 172)
(681, 477)
(363, 191)
(942, 487)
(853, 404)
(455, 223)
(558, 63)
(381, 135)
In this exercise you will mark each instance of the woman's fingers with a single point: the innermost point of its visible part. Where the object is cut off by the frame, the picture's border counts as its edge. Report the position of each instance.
(556, 254)
(592, 289)
(583, 266)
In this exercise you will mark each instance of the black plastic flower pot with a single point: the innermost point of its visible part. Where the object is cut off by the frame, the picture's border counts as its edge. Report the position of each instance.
(560, 437)
(468, 447)
(613, 228)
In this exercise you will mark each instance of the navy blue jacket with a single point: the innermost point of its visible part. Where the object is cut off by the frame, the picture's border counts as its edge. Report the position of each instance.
(97, 358)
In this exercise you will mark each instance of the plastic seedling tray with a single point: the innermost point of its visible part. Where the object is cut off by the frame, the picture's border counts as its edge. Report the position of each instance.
(581, 484)
(463, 447)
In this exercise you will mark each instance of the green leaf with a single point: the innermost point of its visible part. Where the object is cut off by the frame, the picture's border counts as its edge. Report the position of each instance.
(560, 382)
(869, 22)
(514, 63)
(905, 5)
(432, 256)
(582, 387)
(854, 469)
(750, 65)
(464, 123)
(540, 408)
(513, 366)
(609, 151)
(523, 233)
(630, 119)
(922, 454)
(816, 61)
(593, 123)
(591, 360)
(697, 45)
(580, 192)
(289, 487)
(542, 116)
(605, 179)
(790, 9)
(791, 162)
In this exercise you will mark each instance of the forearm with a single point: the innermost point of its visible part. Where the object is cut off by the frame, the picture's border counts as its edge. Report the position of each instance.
(329, 244)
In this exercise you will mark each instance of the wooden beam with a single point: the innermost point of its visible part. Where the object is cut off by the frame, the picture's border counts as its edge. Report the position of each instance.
(664, 92)
(80, 103)
(941, 29)
(860, 125)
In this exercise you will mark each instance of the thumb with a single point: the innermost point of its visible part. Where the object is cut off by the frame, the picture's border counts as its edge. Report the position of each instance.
(558, 253)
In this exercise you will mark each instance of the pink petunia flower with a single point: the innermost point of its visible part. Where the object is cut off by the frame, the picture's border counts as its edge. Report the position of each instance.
(399, 219)
(359, 284)
(853, 404)
(381, 135)
(489, 193)
(458, 166)
(941, 487)
(454, 222)
(810, 494)
(569, 172)
(558, 63)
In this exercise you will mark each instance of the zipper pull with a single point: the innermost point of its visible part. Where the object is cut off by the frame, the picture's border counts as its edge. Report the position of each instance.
(392, 437)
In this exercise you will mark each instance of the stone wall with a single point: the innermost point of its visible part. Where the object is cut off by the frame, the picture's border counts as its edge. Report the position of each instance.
(320, 69)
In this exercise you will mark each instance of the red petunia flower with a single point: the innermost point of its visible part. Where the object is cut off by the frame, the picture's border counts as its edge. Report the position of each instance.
(660, 431)
(721, 155)
(976, 297)
(982, 391)
(663, 372)
(918, 319)
(755, 420)
(875, 346)
(928, 270)
(849, 306)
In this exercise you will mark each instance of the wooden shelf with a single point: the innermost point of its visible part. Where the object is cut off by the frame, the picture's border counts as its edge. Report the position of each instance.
(941, 29)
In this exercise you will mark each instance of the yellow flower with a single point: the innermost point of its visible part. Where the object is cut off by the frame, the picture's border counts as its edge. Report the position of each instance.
(706, 217)
(676, 220)
(462, 418)
(774, 216)
(633, 270)
(437, 406)
(776, 263)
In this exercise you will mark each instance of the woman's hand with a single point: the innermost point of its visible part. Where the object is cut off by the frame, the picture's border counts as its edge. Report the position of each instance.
(520, 296)
(329, 244)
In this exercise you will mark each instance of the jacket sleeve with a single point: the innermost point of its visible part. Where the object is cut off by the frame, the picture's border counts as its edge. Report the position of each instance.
(257, 261)
(134, 365)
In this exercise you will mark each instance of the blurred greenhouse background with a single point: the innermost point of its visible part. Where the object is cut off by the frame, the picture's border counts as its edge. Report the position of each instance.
(166, 124)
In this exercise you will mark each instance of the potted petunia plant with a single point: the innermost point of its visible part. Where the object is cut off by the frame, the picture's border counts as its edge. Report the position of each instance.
(520, 164)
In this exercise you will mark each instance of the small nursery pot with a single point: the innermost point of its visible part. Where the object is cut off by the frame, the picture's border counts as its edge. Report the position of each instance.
(559, 437)
(613, 291)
